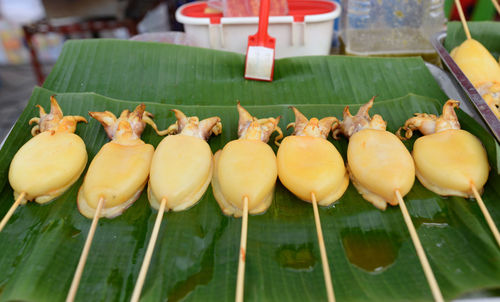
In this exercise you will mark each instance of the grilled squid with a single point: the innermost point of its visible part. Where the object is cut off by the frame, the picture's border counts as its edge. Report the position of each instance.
(377, 161)
(309, 163)
(482, 70)
(182, 164)
(120, 170)
(448, 160)
(50, 162)
(247, 167)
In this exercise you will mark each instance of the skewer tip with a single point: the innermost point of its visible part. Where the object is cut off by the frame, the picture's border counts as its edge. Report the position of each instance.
(85, 252)
(240, 281)
(324, 259)
(462, 19)
(486, 214)
(149, 253)
(431, 279)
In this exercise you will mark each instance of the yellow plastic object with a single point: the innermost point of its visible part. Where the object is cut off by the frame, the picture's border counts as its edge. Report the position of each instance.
(50, 162)
(448, 162)
(476, 62)
(379, 164)
(312, 165)
(244, 168)
(182, 165)
(47, 165)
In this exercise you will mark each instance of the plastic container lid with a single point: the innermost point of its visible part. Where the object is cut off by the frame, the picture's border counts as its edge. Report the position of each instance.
(298, 11)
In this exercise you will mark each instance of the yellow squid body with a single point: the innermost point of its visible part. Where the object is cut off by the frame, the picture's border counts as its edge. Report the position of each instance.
(448, 161)
(47, 165)
(482, 70)
(181, 171)
(379, 164)
(312, 164)
(244, 168)
(476, 62)
(118, 174)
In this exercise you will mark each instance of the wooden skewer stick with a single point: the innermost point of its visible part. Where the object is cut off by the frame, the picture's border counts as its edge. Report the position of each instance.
(496, 5)
(486, 214)
(85, 253)
(11, 211)
(462, 19)
(149, 253)
(322, 250)
(240, 281)
(436, 292)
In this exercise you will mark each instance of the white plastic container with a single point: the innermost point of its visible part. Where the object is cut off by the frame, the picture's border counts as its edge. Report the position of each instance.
(307, 30)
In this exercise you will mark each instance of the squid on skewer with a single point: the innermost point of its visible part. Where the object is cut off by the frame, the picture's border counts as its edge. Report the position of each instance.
(480, 67)
(246, 168)
(116, 175)
(120, 170)
(50, 162)
(482, 70)
(312, 169)
(182, 165)
(245, 176)
(382, 170)
(309, 163)
(449, 161)
(378, 163)
(181, 171)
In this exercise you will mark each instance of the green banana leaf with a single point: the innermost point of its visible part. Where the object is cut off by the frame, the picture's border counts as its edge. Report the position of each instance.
(486, 32)
(370, 252)
(153, 72)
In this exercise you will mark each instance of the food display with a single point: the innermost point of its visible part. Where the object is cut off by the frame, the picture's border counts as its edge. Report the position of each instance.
(482, 69)
(182, 165)
(190, 251)
(120, 170)
(308, 163)
(50, 162)
(247, 167)
(378, 163)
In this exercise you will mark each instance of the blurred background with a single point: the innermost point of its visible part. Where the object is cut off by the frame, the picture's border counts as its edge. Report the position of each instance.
(32, 33)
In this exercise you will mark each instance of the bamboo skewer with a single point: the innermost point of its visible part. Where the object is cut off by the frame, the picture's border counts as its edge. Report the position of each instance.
(11, 211)
(496, 5)
(149, 253)
(85, 252)
(486, 214)
(322, 249)
(462, 19)
(436, 292)
(240, 282)
(479, 200)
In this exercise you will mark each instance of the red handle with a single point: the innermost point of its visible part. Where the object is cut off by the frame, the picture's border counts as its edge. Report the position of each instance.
(263, 20)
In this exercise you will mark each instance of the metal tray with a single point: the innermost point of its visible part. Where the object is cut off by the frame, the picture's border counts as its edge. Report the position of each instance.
(474, 97)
